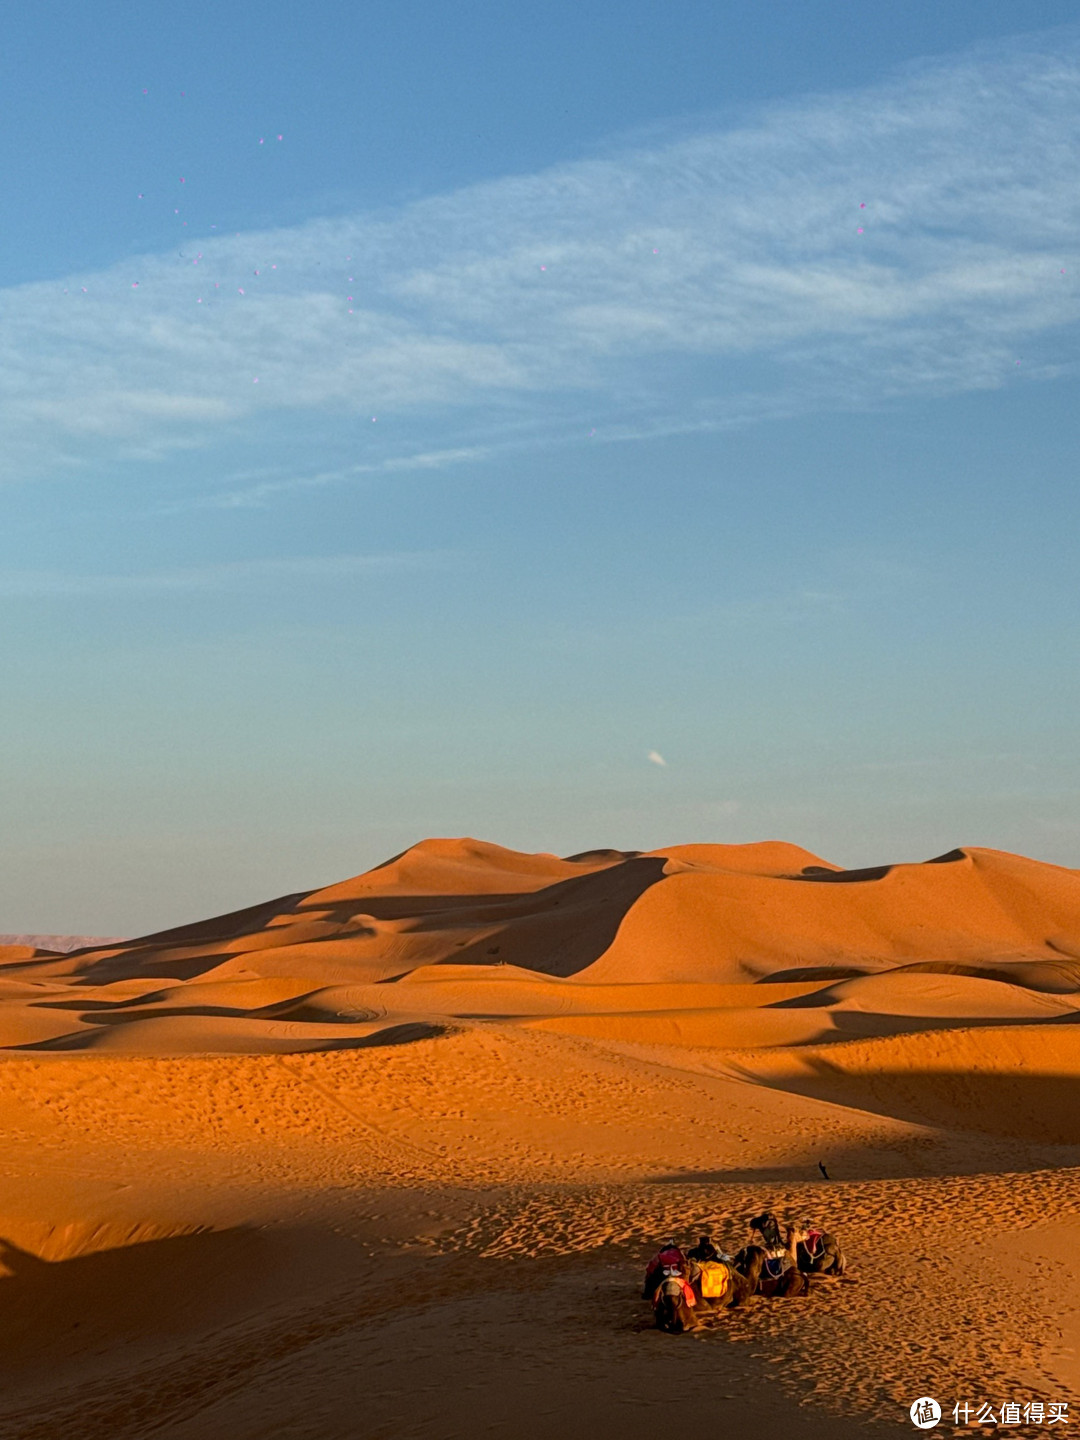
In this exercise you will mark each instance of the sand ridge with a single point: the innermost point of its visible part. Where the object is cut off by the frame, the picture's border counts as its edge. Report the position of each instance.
(972, 937)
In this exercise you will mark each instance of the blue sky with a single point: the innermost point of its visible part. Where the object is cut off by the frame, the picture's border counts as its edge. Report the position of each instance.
(559, 388)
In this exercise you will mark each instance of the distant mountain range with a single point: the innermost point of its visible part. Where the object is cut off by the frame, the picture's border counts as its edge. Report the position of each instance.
(61, 944)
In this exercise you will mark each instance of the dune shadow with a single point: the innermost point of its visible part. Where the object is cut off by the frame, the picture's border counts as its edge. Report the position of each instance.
(142, 963)
(406, 1033)
(819, 874)
(230, 926)
(753, 1175)
(1040, 1109)
(123, 1012)
(128, 1293)
(812, 974)
(824, 874)
(1047, 977)
(557, 930)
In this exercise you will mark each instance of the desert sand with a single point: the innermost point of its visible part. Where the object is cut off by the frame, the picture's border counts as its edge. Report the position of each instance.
(388, 1158)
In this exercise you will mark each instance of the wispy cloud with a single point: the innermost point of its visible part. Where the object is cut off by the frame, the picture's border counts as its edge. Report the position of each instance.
(248, 490)
(233, 575)
(836, 251)
(656, 758)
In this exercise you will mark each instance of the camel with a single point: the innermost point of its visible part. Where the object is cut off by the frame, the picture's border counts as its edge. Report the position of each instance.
(668, 1260)
(819, 1253)
(673, 1304)
(668, 1287)
(719, 1285)
(758, 1267)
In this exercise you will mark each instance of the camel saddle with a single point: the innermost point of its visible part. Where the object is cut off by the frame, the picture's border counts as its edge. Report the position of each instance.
(715, 1279)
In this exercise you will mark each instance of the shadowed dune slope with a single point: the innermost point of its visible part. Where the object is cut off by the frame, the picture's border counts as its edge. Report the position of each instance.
(669, 947)
(1022, 1082)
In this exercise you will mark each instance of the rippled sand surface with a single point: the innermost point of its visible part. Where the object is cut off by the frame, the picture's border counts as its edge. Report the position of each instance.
(388, 1158)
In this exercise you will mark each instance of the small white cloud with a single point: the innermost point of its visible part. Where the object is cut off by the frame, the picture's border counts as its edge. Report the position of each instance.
(657, 758)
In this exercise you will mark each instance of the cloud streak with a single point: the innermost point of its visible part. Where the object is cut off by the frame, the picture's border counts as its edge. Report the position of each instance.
(832, 252)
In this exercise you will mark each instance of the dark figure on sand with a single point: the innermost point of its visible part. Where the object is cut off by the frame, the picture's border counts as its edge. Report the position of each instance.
(703, 1250)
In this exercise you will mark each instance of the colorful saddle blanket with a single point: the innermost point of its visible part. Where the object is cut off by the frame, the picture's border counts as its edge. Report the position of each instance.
(684, 1285)
(667, 1259)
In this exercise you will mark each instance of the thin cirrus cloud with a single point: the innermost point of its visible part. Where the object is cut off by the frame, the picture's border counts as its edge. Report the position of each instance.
(912, 237)
(248, 490)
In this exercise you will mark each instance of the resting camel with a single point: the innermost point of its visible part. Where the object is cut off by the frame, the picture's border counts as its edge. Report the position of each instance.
(668, 1260)
(819, 1252)
(719, 1285)
(673, 1304)
(776, 1275)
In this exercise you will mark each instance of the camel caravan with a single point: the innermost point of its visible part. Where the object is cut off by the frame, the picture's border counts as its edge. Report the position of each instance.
(773, 1264)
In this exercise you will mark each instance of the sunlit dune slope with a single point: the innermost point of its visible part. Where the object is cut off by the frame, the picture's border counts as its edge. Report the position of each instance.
(721, 946)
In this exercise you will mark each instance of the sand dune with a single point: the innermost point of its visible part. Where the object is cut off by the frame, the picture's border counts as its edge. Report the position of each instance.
(689, 946)
(276, 1169)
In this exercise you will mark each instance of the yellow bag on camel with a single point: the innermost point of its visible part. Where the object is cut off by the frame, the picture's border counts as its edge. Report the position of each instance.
(715, 1279)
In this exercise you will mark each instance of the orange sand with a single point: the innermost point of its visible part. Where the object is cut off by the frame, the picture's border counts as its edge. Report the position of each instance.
(387, 1157)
